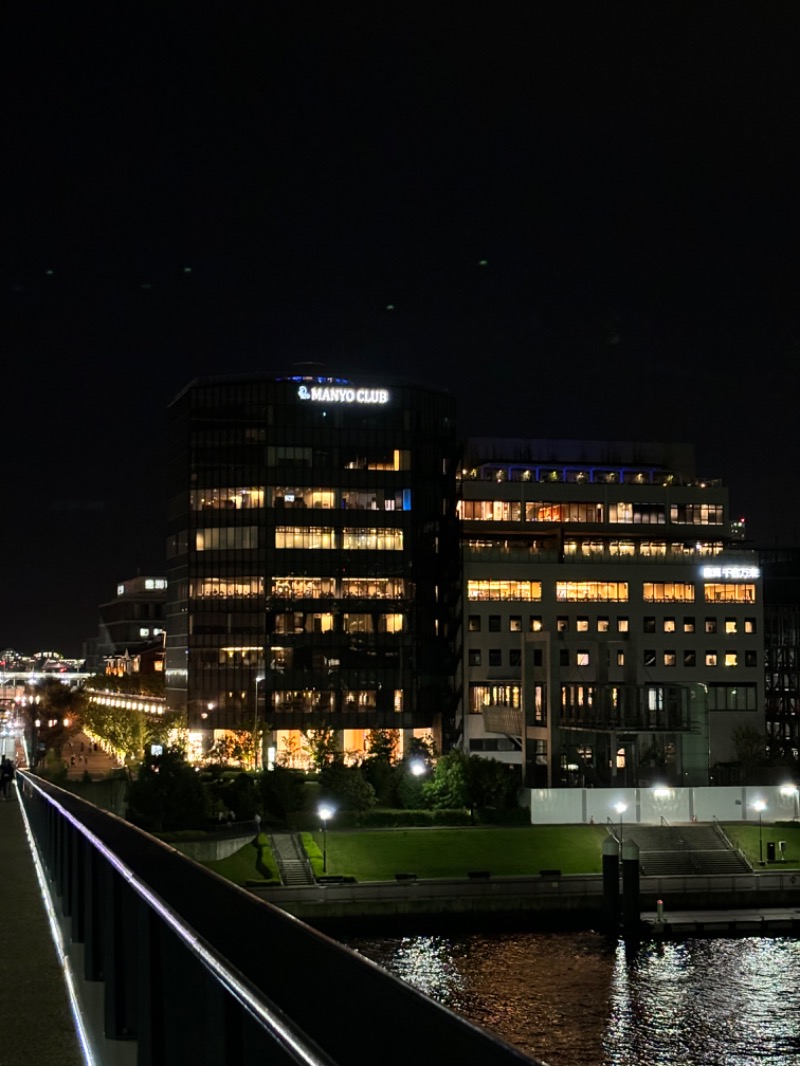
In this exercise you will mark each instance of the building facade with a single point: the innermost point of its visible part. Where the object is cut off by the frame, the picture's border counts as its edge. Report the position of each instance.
(781, 570)
(312, 558)
(613, 629)
(131, 632)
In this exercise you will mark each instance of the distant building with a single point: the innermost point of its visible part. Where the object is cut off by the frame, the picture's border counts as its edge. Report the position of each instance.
(781, 568)
(613, 618)
(312, 557)
(132, 628)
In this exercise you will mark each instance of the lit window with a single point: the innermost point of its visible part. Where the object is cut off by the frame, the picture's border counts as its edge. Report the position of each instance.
(711, 625)
(582, 625)
(669, 625)
(603, 625)
(535, 623)
(688, 625)
(670, 658)
(749, 625)
(623, 624)
(504, 590)
(582, 658)
(474, 623)
(711, 658)
(730, 625)
(515, 623)
(592, 591)
(729, 593)
(668, 592)
(731, 658)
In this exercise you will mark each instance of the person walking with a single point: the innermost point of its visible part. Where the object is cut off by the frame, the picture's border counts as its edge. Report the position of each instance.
(6, 776)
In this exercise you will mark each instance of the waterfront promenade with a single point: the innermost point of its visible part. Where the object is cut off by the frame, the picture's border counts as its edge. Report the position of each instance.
(37, 1027)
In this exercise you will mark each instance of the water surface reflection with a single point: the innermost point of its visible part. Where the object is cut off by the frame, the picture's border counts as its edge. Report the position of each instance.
(577, 1000)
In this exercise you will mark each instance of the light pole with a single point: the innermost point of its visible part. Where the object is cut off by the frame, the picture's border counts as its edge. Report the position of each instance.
(256, 744)
(760, 806)
(792, 790)
(620, 808)
(325, 813)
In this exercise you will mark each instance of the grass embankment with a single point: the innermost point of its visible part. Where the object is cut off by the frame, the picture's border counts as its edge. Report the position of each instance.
(254, 863)
(377, 855)
(746, 837)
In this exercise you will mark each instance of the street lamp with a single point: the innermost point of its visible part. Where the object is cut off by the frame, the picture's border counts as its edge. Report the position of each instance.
(256, 744)
(792, 790)
(760, 806)
(417, 767)
(325, 813)
(620, 808)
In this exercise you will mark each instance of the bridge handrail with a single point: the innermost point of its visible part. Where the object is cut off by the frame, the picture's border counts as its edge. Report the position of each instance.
(198, 969)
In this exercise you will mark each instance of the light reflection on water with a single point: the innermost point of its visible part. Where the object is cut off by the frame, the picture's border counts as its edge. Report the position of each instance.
(577, 1000)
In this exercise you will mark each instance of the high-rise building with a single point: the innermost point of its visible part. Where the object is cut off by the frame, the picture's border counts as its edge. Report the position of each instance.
(781, 570)
(312, 557)
(614, 618)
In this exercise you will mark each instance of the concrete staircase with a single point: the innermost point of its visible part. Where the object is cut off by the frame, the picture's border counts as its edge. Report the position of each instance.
(293, 865)
(684, 850)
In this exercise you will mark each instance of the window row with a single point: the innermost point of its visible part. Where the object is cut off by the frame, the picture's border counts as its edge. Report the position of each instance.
(349, 622)
(316, 588)
(327, 538)
(611, 591)
(620, 513)
(645, 549)
(584, 657)
(380, 458)
(604, 624)
(381, 499)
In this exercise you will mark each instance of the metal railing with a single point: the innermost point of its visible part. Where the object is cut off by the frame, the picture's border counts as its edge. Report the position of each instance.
(195, 969)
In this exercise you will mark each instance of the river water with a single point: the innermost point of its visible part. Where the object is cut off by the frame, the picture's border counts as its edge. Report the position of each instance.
(572, 999)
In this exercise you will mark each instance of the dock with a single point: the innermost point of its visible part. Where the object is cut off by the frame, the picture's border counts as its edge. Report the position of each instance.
(681, 924)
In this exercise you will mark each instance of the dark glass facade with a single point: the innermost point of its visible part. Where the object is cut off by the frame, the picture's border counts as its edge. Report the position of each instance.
(312, 554)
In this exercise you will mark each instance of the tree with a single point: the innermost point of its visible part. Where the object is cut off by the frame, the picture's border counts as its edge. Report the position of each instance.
(449, 787)
(750, 747)
(345, 787)
(167, 794)
(322, 746)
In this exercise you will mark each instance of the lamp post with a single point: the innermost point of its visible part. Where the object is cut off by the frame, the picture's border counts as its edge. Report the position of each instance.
(620, 808)
(792, 790)
(325, 813)
(760, 806)
(256, 744)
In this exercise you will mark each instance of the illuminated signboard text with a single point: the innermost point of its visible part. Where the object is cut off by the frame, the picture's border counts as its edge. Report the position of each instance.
(342, 394)
(731, 573)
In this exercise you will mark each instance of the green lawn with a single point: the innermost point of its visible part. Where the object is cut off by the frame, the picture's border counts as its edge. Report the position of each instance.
(253, 862)
(746, 837)
(377, 855)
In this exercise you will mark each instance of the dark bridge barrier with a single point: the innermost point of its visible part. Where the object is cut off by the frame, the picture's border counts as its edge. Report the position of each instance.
(198, 970)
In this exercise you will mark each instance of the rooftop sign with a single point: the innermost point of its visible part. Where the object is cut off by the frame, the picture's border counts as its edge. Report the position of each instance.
(342, 394)
(731, 573)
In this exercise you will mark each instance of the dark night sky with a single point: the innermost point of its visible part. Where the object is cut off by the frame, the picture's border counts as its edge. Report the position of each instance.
(629, 173)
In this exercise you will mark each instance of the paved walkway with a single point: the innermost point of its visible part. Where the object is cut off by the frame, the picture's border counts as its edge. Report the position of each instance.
(82, 756)
(36, 1023)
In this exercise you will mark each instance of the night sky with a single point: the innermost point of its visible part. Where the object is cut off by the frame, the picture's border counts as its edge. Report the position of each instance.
(580, 218)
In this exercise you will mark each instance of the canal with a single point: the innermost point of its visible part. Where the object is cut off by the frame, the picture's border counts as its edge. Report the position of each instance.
(578, 999)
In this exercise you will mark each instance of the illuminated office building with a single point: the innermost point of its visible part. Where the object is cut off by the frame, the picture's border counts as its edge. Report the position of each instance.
(312, 558)
(613, 628)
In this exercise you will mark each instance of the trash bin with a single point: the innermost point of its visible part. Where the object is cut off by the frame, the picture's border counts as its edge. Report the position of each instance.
(770, 851)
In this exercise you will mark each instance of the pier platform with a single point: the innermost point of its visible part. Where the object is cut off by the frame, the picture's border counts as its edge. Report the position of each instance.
(766, 921)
